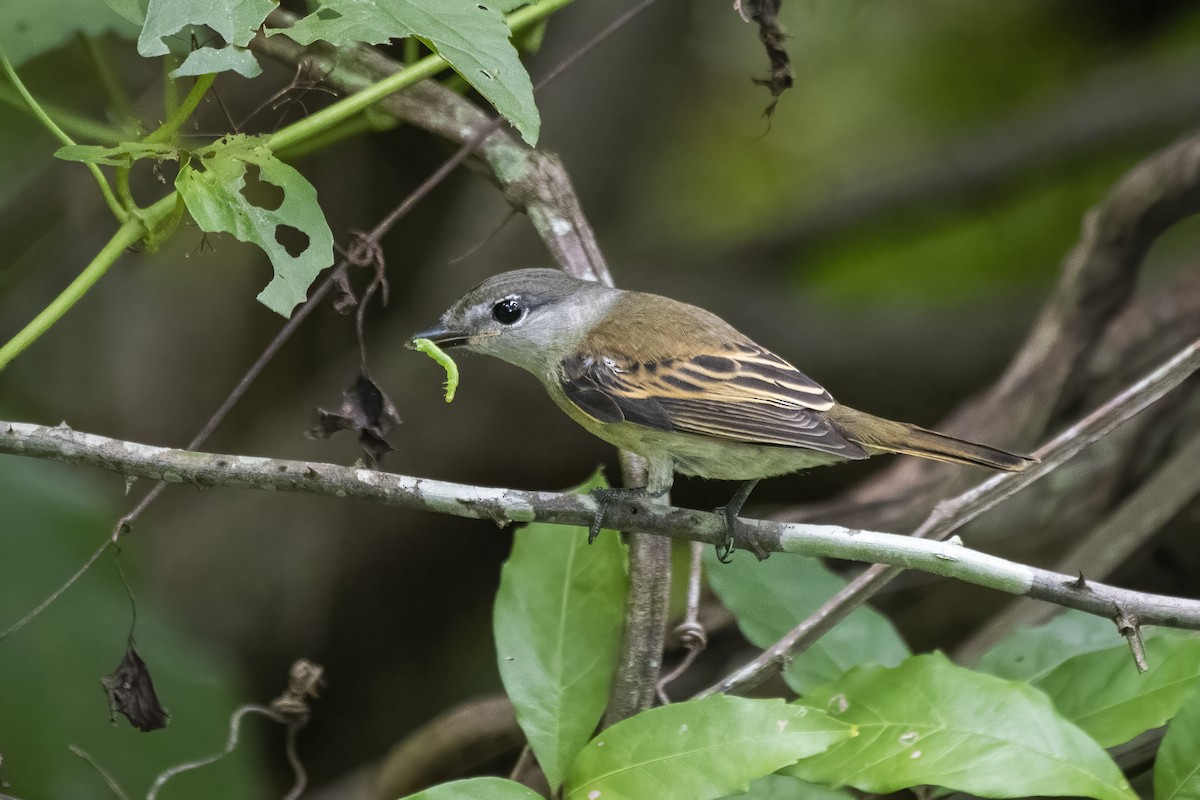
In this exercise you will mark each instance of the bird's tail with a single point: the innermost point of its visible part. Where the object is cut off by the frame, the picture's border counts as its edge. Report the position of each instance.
(900, 437)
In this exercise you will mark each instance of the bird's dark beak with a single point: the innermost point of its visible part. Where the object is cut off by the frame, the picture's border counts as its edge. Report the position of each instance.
(441, 336)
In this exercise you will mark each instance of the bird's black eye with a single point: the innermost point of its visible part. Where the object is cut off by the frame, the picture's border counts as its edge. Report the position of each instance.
(508, 311)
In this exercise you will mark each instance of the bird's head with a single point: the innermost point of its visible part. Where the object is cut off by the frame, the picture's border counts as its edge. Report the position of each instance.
(532, 318)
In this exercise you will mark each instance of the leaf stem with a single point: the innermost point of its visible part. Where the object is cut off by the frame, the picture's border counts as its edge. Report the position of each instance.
(76, 124)
(427, 67)
(129, 233)
(183, 112)
(62, 136)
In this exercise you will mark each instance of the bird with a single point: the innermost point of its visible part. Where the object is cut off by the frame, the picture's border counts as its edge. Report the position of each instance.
(677, 385)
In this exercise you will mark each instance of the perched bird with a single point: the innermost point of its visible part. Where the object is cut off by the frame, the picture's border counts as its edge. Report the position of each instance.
(677, 385)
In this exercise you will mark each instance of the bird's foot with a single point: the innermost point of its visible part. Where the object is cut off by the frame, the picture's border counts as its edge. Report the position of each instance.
(605, 499)
(729, 512)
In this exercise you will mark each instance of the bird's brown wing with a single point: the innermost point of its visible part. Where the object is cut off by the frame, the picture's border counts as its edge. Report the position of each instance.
(741, 392)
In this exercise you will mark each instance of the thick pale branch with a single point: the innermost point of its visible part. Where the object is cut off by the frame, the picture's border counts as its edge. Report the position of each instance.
(949, 559)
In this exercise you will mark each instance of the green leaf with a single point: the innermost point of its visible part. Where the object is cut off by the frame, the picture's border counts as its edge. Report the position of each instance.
(786, 787)
(1176, 768)
(132, 10)
(470, 34)
(771, 597)
(557, 621)
(1031, 653)
(1105, 695)
(235, 21)
(208, 60)
(121, 155)
(477, 789)
(216, 202)
(32, 27)
(702, 749)
(928, 721)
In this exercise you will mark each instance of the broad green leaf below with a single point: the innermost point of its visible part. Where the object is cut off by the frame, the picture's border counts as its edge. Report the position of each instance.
(928, 721)
(1105, 695)
(477, 789)
(215, 199)
(1030, 653)
(702, 749)
(557, 620)
(787, 787)
(1177, 765)
(769, 598)
(471, 35)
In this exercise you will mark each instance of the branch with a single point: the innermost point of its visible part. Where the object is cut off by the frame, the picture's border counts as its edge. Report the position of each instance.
(950, 516)
(948, 559)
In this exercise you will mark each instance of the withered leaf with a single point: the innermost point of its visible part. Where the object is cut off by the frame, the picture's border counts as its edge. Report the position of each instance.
(365, 409)
(765, 14)
(131, 693)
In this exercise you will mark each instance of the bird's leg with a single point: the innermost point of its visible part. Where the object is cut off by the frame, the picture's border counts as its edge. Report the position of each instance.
(605, 498)
(730, 512)
(659, 474)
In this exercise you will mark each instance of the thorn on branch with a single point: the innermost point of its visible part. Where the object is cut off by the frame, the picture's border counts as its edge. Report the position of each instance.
(1129, 627)
(1079, 583)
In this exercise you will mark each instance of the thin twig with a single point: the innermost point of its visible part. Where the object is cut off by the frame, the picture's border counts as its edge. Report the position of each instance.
(108, 779)
(689, 633)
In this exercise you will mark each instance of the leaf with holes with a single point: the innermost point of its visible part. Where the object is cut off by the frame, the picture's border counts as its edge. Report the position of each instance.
(471, 35)
(170, 23)
(928, 721)
(701, 749)
(557, 622)
(1176, 768)
(216, 198)
(769, 598)
(1104, 694)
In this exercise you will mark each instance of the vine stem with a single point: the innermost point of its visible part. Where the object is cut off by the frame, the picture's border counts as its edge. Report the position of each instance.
(113, 205)
(130, 232)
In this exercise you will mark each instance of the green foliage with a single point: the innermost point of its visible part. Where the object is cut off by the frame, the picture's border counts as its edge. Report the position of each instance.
(557, 620)
(471, 35)
(121, 155)
(930, 722)
(786, 787)
(1031, 653)
(50, 671)
(30, 29)
(771, 597)
(1105, 695)
(214, 196)
(1177, 768)
(235, 21)
(702, 749)
(477, 789)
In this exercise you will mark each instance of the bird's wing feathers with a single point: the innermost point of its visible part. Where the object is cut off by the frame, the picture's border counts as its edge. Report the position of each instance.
(739, 392)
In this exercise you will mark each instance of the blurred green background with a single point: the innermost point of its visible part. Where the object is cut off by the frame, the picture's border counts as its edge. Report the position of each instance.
(892, 230)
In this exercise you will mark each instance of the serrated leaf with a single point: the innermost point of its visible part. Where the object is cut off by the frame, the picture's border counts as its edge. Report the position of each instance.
(1030, 653)
(769, 598)
(557, 621)
(471, 35)
(702, 749)
(1105, 695)
(477, 789)
(31, 27)
(215, 200)
(787, 787)
(120, 155)
(1177, 766)
(928, 721)
(235, 21)
(207, 60)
